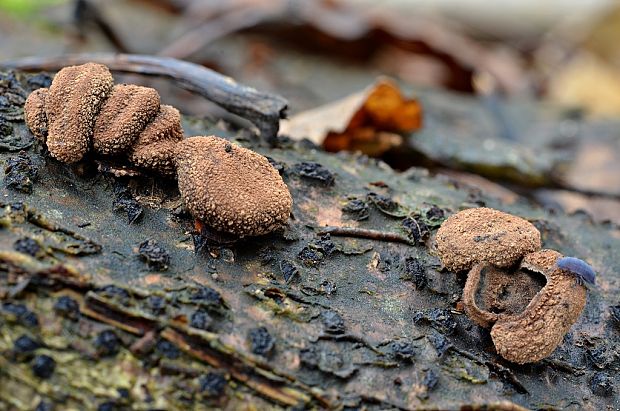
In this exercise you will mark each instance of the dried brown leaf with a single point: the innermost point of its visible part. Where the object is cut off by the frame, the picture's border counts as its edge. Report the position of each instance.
(368, 121)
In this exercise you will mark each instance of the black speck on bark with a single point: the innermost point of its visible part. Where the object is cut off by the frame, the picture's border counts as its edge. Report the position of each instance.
(261, 342)
(154, 255)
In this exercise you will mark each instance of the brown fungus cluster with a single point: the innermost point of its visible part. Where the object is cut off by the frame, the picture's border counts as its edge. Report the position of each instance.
(84, 110)
(230, 188)
(512, 287)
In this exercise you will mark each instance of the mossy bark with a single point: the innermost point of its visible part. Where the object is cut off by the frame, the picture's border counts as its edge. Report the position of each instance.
(352, 323)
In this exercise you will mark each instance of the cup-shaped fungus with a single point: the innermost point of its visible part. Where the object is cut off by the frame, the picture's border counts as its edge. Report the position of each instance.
(35, 115)
(523, 331)
(491, 291)
(230, 188)
(484, 234)
(154, 148)
(72, 104)
(125, 113)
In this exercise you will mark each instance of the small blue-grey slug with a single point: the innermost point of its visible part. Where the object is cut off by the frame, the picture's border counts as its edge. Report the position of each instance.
(580, 268)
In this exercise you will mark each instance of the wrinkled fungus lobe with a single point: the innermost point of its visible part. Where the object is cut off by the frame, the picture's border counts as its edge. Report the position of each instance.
(230, 188)
(35, 115)
(530, 334)
(165, 126)
(83, 108)
(484, 234)
(72, 104)
(154, 148)
(125, 113)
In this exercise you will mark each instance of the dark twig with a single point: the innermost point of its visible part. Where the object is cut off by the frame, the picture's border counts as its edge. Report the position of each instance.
(365, 233)
(564, 366)
(263, 109)
(350, 338)
(507, 375)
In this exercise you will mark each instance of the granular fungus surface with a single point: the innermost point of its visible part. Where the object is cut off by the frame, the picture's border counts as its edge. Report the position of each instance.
(231, 188)
(484, 234)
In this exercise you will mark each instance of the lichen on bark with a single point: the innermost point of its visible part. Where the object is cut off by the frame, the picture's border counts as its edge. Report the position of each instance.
(183, 335)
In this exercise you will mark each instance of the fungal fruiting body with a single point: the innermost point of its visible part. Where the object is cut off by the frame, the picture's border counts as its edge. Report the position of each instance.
(154, 148)
(484, 234)
(72, 104)
(231, 188)
(124, 115)
(582, 270)
(533, 326)
(84, 110)
(536, 332)
(35, 115)
(528, 318)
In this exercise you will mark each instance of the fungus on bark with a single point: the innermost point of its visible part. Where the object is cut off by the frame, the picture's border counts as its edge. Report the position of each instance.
(525, 333)
(72, 104)
(123, 116)
(491, 291)
(484, 234)
(230, 188)
(154, 148)
(35, 115)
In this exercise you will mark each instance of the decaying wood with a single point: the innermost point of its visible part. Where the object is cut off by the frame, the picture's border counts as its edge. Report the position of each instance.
(291, 320)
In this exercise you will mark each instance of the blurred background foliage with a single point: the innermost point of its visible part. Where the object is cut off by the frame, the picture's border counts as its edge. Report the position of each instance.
(564, 52)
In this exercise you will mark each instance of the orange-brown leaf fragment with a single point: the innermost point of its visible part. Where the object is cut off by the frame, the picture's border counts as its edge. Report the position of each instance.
(387, 109)
(123, 116)
(72, 104)
(371, 121)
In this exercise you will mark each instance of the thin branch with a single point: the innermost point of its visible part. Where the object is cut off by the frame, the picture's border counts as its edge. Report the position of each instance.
(263, 109)
(365, 233)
